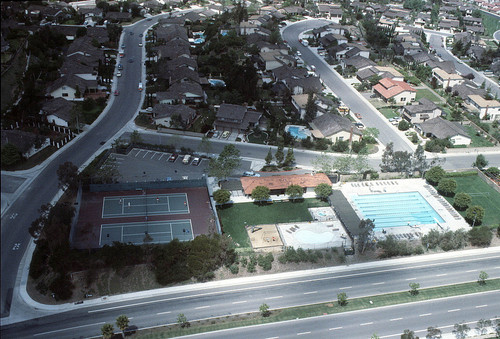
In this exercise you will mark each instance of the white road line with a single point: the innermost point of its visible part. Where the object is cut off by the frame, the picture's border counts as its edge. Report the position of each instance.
(410, 279)
(395, 319)
(345, 288)
(146, 154)
(365, 324)
(272, 338)
(161, 156)
(471, 271)
(201, 307)
(163, 313)
(481, 306)
(454, 310)
(379, 283)
(277, 297)
(335, 328)
(313, 292)
(302, 333)
(137, 154)
(66, 329)
(441, 275)
(425, 315)
(239, 302)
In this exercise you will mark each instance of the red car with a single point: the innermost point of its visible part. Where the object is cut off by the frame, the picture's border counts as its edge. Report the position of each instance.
(173, 157)
(117, 93)
(358, 115)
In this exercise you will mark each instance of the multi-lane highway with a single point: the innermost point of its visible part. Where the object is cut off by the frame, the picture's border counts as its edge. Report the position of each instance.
(244, 295)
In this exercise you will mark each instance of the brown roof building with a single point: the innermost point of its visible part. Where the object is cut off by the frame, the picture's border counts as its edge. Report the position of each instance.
(279, 183)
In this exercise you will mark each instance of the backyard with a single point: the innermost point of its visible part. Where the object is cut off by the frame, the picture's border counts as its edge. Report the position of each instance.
(425, 93)
(482, 195)
(234, 217)
(477, 140)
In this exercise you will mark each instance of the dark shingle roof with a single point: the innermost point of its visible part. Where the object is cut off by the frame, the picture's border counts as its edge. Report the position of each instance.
(441, 128)
(330, 124)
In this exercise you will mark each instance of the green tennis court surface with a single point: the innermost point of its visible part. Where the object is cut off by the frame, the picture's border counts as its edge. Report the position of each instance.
(135, 232)
(145, 204)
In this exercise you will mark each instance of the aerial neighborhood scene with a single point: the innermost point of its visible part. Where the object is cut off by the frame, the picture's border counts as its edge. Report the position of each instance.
(250, 169)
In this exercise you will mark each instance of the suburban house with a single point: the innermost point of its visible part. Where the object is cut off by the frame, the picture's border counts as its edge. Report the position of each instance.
(58, 111)
(443, 129)
(334, 127)
(182, 93)
(25, 142)
(304, 85)
(236, 118)
(348, 50)
(68, 87)
(423, 110)
(331, 12)
(485, 107)
(381, 71)
(173, 115)
(467, 88)
(445, 79)
(275, 58)
(399, 91)
(278, 184)
(357, 62)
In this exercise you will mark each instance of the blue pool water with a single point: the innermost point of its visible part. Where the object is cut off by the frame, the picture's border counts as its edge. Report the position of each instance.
(217, 83)
(297, 132)
(198, 41)
(396, 209)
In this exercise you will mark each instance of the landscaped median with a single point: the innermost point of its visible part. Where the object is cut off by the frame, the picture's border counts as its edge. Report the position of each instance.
(313, 310)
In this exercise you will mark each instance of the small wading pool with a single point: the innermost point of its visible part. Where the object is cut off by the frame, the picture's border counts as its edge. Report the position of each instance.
(396, 209)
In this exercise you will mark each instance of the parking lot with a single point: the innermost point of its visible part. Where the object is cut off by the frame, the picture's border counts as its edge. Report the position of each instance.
(146, 165)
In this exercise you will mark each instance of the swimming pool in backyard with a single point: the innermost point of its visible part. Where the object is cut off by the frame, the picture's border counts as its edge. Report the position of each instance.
(299, 132)
(396, 209)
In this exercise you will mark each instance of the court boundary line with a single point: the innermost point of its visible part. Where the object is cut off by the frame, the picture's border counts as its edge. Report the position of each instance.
(123, 215)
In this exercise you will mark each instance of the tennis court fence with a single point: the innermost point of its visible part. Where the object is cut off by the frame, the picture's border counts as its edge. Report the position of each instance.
(131, 186)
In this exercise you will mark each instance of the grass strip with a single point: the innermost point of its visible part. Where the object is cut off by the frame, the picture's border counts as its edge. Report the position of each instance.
(314, 310)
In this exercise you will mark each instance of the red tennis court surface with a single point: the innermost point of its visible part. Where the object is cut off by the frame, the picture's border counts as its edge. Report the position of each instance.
(87, 232)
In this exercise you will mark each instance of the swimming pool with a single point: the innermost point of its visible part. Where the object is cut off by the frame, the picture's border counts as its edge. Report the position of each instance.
(396, 209)
(217, 83)
(298, 132)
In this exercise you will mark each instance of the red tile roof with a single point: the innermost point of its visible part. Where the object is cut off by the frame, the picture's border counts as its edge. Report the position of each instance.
(277, 182)
(389, 88)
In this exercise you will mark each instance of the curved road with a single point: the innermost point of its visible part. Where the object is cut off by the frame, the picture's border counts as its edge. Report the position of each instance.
(15, 236)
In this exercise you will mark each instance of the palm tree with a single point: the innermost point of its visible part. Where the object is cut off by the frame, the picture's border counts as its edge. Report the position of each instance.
(122, 322)
(107, 331)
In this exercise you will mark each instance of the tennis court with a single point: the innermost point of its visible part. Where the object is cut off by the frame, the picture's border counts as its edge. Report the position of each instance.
(135, 232)
(144, 205)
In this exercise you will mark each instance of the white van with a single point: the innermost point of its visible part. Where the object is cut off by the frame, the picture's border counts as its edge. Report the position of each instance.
(186, 159)
(140, 86)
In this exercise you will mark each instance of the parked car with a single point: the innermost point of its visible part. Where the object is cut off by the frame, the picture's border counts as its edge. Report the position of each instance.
(140, 35)
(250, 174)
(140, 44)
(173, 157)
(140, 86)
(118, 74)
(359, 125)
(186, 159)
(123, 46)
(357, 115)
(117, 92)
(120, 67)
(196, 161)
(226, 134)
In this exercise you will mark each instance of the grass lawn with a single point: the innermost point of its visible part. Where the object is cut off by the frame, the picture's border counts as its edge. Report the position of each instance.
(477, 140)
(234, 216)
(425, 93)
(388, 112)
(482, 195)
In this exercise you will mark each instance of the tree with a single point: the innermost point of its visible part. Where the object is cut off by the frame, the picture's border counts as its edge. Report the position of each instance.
(107, 331)
(447, 187)
(182, 320)
(462, 201)
(122, 322)
(419, 161)
(365, 237)
(414, 288)
(408, 334)
(227, 161)
(482, 278)
(323, 191)
(323, 163)
(264, 310)
(374, 336)
(269, 157)
(135, 137)
(205, 145)
(401, 162)
(480, 162)
(311, 108)
(434, 175)
(480, 236)
(460, 330)
(280, 155)
(342, 298)
(344, 163)
(474, 215)
(387, 156)
(68, 176)
(497, 327)
(222, 196)
(294, 192)
(433, 333)
(371, 132)
(482, 325)
(403, 125)
(289, 158)
(260, 193)
(10, 154)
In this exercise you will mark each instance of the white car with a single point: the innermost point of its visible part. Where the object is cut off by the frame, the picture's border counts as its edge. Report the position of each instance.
(140, 44)
(118, 74)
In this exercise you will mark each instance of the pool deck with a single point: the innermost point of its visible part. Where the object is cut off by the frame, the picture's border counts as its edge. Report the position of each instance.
(452, 219)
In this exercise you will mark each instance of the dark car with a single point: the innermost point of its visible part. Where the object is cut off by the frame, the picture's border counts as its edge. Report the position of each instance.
(131, 33)
(117, 92)
(172, 158)
(131, 60)
(140, 35)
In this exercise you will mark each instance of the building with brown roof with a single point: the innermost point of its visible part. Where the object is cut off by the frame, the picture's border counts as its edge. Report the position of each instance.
(400, 91)
(278, 184)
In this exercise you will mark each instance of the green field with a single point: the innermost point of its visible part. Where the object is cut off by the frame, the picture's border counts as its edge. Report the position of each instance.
(477, 140)
(233, 217)
(388, 112)
(482, 195)
(425, 93)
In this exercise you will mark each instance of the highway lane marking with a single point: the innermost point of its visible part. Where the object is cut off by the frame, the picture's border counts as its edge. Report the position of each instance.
(313, 292)
(441, 275)
(66, 329)
(302, 333)
(469, 271)
(481, 306)
(201, 307)
(454, 310)
(282, 284)
(277, 297)
(335, 328)
(167, 312)
(425, 315)
(272, 338)
(239, 302)
(379, 283)
(365, 324)
(410, 279)
(395, 319)
(345, 288)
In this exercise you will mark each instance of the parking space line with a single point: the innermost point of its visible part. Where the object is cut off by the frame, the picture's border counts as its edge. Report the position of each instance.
(147, 152)
(139, 151)
(161, 156)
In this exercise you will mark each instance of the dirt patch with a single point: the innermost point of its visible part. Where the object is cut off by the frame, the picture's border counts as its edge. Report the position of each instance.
(265, 237)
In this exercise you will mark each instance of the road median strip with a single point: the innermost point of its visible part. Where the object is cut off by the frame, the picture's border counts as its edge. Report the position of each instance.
(319, 309)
